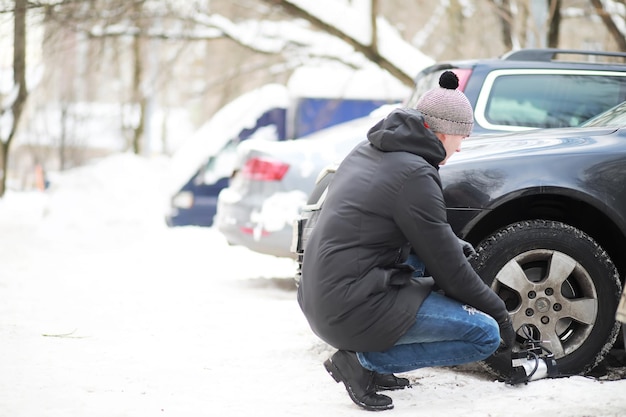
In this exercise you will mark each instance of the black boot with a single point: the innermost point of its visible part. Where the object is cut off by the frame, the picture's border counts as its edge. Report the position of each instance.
(390, 382)
(344, 367)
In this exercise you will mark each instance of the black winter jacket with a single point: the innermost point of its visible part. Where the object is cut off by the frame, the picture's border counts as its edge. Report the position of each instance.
(385, 197)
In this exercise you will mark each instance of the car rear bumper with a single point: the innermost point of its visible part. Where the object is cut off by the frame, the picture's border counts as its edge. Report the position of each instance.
(241, 223)
(259, 241)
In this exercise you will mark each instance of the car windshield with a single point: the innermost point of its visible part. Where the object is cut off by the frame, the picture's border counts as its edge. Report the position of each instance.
(614, 117)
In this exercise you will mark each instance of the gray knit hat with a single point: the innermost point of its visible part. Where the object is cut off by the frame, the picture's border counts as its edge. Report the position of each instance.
(446, 109)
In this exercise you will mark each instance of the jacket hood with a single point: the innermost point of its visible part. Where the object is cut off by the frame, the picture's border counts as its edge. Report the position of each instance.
(403, 130)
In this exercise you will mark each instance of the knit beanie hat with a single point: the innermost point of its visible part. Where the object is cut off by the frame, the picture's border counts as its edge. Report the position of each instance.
(446, 109)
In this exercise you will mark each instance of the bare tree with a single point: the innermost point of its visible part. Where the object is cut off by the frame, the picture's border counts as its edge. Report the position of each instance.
(139, 98)
(370, 50)
(554, 22)
(121, 33)
(515, 26)
(16, 102)
(505, 17)
(610, 24)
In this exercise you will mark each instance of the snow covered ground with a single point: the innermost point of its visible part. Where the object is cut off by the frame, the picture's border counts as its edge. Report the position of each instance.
(106, 312)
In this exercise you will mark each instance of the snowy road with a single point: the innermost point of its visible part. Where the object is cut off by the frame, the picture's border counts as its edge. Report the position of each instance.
(102, 314)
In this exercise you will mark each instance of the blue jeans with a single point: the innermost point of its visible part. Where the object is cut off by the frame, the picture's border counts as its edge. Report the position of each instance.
(445, 333)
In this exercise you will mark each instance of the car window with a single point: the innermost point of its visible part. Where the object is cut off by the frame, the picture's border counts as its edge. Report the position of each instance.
(220, 165)
(551, 99)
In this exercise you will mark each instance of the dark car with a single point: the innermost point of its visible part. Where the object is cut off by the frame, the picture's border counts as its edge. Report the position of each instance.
(525, 89)
(534, 88)
(546, 211)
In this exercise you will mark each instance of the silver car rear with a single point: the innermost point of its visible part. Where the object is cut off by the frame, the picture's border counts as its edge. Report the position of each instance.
(273, 181)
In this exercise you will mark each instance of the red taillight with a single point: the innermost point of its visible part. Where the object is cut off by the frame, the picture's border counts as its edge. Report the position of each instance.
(463, 74)
(264, 169)
(251, 231)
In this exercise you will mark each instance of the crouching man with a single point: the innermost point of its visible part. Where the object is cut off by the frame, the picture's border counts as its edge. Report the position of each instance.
(357, 290)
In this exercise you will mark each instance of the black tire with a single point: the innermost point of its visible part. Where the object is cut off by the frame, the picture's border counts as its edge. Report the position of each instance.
(560, 281)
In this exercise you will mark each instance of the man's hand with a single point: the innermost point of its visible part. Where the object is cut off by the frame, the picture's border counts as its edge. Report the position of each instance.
(468, 249)
(507, 334)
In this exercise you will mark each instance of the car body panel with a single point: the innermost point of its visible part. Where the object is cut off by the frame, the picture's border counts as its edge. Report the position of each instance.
(587, 166)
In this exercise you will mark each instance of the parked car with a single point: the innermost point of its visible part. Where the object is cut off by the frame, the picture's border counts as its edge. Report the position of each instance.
(194, 203)
(534, 88)
(546, 211)
(265, 195)
(202, 166)
(525, 89)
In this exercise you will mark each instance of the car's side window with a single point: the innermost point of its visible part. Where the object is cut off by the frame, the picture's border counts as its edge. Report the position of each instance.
(220, 165)
(539, 99)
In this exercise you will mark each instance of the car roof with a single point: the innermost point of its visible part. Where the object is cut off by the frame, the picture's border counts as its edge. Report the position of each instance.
(541, 58)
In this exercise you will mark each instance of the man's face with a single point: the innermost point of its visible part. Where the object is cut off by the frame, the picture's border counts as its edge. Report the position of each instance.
(452, 144)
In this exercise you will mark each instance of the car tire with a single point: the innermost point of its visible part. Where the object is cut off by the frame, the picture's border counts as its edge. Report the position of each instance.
(560, 281)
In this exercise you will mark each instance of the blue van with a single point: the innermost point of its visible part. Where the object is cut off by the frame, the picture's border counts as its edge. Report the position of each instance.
(194, 204)
(272, 112)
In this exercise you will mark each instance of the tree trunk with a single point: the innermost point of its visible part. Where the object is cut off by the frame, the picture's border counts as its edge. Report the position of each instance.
(4, 162)
(63, 138)
(19, 79)
(610, 24)
(374, 26)
(138, 95)
(554, 7)
(503, 11)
